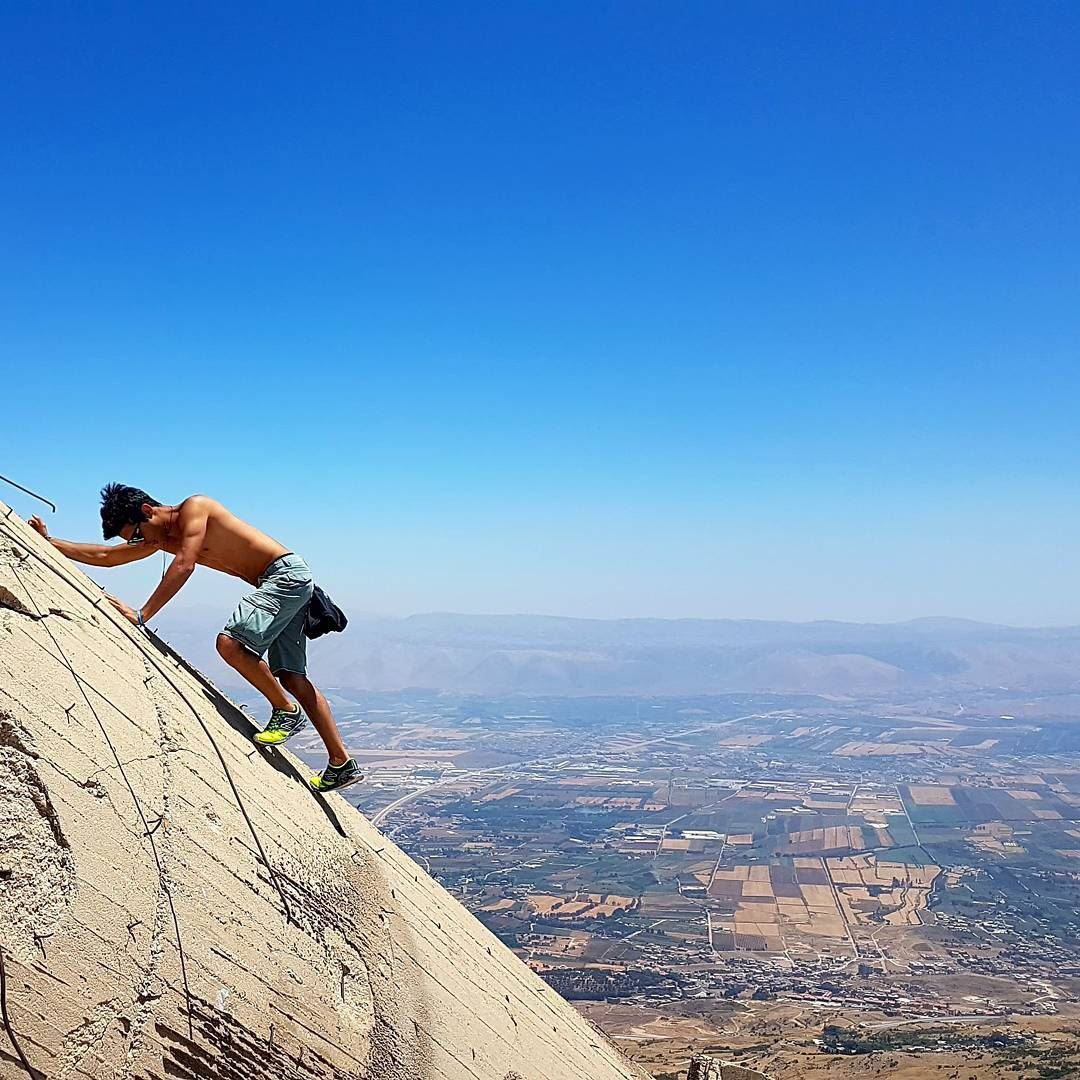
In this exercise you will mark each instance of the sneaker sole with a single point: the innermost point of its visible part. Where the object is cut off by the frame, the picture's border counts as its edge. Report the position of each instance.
(276, 742)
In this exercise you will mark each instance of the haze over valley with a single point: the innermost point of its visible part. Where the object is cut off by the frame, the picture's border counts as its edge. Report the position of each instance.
(503, 654)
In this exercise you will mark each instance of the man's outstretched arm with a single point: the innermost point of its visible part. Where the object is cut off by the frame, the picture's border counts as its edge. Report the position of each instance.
(191, 524)
(96, 554)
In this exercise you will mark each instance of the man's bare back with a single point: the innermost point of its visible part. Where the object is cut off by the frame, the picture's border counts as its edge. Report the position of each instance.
(229, 544)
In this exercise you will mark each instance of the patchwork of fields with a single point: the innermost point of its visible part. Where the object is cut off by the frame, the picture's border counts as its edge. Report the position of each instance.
(810, 907)
(908, 861)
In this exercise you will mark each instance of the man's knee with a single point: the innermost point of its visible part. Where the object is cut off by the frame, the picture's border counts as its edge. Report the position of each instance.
(228, 648)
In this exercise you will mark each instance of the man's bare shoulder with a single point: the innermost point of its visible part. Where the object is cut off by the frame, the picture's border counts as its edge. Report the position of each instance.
(200, 504)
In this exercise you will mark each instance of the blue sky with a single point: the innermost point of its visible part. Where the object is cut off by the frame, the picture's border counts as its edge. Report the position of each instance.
(757, 310)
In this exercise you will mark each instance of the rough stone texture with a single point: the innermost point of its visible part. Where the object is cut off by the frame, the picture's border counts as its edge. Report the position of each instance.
(703, 1068)
(144, 936)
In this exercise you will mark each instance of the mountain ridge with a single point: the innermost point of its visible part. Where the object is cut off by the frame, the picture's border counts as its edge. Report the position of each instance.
(499, 654)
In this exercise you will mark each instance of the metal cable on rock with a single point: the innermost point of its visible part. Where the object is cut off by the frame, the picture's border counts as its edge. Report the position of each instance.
(147, 832)
(31, 1072)
(236, 793)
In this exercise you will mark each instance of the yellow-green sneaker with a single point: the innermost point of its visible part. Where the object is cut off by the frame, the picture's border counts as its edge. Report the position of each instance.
(337, 776)
(283, 725)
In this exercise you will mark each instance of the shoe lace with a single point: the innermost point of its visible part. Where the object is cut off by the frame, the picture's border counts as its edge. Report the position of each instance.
(278, 720)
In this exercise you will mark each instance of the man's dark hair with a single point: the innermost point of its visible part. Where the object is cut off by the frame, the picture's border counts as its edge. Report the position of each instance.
(122, 505)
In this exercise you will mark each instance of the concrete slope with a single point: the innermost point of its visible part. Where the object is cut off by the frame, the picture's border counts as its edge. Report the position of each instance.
(175, 904)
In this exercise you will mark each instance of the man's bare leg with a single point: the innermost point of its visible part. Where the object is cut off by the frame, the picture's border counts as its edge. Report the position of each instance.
(254, 670)
(318, 712)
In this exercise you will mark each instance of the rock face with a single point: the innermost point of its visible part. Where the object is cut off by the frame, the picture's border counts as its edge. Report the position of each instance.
(703, 1068)
(176, 905)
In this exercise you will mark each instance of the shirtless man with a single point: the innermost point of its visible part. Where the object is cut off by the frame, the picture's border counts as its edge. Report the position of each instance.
(270, 620)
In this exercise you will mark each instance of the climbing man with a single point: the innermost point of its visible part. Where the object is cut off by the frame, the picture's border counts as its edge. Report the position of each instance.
(270, 620)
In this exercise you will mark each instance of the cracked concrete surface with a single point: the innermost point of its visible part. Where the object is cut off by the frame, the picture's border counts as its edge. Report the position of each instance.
(143, 935)
(37, 873)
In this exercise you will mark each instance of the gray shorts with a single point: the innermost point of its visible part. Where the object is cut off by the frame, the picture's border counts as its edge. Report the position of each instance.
(271, 619)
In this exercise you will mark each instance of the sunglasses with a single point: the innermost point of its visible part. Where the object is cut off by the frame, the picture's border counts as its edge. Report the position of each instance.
(137, 536)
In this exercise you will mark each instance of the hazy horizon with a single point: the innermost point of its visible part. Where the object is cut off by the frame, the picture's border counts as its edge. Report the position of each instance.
(181, 609)
(552, 655)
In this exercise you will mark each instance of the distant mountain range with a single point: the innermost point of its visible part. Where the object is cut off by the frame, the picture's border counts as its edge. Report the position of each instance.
(503, 654)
